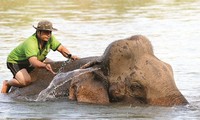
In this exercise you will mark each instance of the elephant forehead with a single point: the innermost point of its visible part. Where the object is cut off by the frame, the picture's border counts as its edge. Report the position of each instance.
(133, 46)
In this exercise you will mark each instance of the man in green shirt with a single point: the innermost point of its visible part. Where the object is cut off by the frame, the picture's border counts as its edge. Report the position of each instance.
(32, 53)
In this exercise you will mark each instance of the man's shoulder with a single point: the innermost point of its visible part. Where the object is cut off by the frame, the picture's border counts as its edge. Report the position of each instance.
(30, 42)
(31, 39)
(53, 37)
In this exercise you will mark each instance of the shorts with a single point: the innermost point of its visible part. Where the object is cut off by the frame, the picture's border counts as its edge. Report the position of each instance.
(14, 68)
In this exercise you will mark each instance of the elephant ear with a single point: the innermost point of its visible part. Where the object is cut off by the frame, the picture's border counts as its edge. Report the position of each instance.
(102, 78)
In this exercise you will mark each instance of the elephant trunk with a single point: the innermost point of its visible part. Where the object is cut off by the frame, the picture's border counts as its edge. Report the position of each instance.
(170, 100)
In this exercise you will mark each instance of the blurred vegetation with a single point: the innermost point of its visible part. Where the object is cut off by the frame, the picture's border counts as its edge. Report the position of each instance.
(83, 4)
(12, 4)
(23, 11)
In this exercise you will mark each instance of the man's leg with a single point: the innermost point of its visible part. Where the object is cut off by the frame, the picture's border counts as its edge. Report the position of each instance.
(22, 78)
(5, 87)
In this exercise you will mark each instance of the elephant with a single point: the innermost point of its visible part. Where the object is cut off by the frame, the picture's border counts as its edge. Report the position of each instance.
(128, 72)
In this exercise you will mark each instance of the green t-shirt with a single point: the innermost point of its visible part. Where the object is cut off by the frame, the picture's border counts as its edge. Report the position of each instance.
(30, 47)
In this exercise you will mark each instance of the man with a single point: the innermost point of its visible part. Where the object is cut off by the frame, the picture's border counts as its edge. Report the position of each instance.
(32, 53)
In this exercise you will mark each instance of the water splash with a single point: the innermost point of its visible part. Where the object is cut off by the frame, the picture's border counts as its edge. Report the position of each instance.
(59, 80)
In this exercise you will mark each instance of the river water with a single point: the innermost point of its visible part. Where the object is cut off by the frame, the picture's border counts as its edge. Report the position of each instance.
(86, 28)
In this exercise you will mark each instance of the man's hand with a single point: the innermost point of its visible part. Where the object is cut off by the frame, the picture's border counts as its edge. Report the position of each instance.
(48, 67)
(74, 57)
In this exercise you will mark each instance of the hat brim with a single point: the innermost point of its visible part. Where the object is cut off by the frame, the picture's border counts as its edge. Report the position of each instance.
(53, 29)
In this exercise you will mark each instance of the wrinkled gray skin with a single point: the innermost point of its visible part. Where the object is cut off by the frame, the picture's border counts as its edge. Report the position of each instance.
(129, 73)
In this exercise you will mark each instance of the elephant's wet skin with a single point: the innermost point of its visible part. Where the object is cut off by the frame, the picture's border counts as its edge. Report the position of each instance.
(43, 78)
(127, 93)
(129, 73)
(89, 88)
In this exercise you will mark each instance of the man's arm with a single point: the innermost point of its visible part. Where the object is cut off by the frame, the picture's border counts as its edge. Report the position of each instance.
(65, 52)
(36, 63)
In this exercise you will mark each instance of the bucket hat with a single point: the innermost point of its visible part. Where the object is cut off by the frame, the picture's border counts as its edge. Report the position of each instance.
(45, 25)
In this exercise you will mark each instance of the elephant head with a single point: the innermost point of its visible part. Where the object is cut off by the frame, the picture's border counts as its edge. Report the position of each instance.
(136, 75)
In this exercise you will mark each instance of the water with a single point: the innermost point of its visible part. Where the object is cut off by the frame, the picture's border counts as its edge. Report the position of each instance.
(59, 80)
(86, 27)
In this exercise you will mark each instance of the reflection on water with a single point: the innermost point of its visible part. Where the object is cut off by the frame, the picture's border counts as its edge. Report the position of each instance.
(86, 27)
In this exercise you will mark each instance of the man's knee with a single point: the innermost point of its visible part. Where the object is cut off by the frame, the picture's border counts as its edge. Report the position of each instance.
(23, 77)
(27, 81)
(24, 81)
